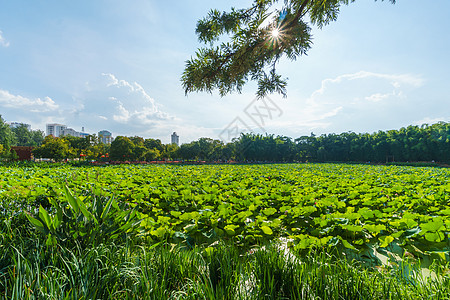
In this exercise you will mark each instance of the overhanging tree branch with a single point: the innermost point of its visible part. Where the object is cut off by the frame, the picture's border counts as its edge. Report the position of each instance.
(254, 48)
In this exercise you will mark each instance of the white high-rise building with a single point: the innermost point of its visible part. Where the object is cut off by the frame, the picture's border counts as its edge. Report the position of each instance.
(175, 139)
(105, 136)
(55, 129)
(71, 132)
(17, 124)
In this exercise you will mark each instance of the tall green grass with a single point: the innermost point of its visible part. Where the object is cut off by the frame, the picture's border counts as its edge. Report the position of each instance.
(31, 270)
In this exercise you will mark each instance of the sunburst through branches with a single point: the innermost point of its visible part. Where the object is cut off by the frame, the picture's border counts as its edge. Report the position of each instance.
(276, 35)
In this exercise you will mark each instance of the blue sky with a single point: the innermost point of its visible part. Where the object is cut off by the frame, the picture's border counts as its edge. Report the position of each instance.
(116, 65)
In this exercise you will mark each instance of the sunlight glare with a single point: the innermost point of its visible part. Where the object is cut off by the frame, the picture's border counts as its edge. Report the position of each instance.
(275, 33)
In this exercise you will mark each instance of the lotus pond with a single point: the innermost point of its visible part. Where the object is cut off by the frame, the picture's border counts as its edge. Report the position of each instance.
(379, 215)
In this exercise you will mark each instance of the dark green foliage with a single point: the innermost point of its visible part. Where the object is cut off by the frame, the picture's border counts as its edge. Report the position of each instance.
(159, 272)
(26, 137)
(426, 143)
(410, 144)
(54, 148)
(224, 271)
(95, 221)
(121, 148)
(137, 149)
(413, 143)
(6, 135)
(254, 50)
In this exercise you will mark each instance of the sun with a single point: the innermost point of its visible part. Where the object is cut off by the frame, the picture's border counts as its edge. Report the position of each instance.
(275, 36)
(275, 33)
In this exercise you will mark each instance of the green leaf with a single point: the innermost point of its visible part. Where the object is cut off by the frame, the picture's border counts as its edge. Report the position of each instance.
(352, 228)
(445, 212)
(374, 229)
(189, 216)
(38, 224)
(347, 244)
(267, 230)
(84, 210)
(43, 214)
(366, 213)
(105, 211)
(305, 241)
(51, 241)
(189, 227)
(57, 219)
(160, 232)
(176, 214)
(269, 211)
(385, 240)
(72, 201)
(434, 236)
(412, 232)
(433, 225)
(230, 229)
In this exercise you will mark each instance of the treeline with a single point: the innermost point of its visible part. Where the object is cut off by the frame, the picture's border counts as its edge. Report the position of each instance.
(91, 148)
(17, 136)
(413, 143)
(410, 144)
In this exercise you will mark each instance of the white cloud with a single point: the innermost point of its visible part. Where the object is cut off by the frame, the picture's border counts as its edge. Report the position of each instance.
(396, 80)
(132, 100)
(430, 121)
(118, 105)
(363, 101)
(34, 111)
(360, 102)
(377, 97)
(363, 82)
(3, 41)
(25, 104)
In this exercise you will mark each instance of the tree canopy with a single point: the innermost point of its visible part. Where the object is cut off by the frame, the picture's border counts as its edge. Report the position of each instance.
(6, 135)
(259, 36)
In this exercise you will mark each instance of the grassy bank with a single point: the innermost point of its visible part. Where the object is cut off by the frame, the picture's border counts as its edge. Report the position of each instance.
(29, 269)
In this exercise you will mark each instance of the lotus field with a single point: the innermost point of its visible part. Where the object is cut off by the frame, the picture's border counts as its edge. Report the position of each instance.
(379, 215)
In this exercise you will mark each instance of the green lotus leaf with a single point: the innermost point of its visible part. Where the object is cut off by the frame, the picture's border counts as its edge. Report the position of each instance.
(385, 241)
(267, 230)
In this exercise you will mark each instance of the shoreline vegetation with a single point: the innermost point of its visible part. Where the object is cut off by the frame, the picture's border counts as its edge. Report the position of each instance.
(415, 145)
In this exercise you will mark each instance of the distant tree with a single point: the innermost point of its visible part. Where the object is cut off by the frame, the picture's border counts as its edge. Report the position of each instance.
(170, 151)
(137, 140)
(189, 151)
(254, 47)
(38, 137)
(53, 148)
(6, 135)
(101, 150)
(154, 144)
(152, 154)
(121, 148)
(206, 147)
(88, 147)
(78, 143)
(228, 151)
(139, 152)
(23, 136)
